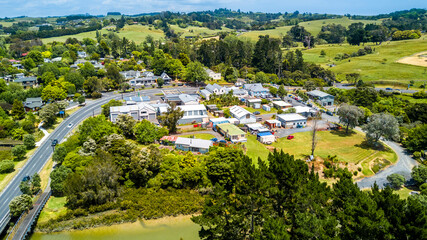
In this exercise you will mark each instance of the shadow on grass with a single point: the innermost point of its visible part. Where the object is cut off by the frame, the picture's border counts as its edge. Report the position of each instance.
(342, 133)
(374, 146)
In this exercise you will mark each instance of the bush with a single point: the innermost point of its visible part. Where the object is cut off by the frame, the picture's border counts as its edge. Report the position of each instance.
(6, 166)
(29, 141)
(96, 95)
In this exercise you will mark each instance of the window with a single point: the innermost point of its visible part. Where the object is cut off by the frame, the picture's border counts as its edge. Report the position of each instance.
(190, 113)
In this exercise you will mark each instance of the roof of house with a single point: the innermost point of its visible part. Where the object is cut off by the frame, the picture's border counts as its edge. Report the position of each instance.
(36, 99)
(194, 142)
(318, 93)
(185, 98)
(282, 103)
(255, 100)
(128, 108)
(302, 109)
(205, 92)
(291, 117)
(262, 134)
(257, 127)
(230, 129)
(192, 107)
(221, 119)
(25, 79)
(169, 138)
(273, 121)
(137, 99)
(165, 76)
(212, 87)
(239, 112)
(254, 87)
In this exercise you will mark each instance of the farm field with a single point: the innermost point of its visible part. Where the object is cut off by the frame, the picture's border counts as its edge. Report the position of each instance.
(313, 27)
(380, 65)
(136, 33)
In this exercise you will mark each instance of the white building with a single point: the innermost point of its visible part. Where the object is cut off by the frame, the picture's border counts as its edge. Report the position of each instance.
(138, 112)
(292, 120)
(213, 75)
(305, 111)
(130, 74)
(243, 115)
(81, 54)
(193, 114)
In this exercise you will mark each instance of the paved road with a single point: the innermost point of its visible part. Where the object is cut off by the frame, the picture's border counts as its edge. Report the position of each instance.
(342, 86)
(36, 162)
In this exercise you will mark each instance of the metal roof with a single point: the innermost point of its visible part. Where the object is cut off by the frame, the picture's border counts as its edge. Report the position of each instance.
(262, 134)
(318, 93)
(230, 129)
(291, 117)
(239, 112)
(194, 142)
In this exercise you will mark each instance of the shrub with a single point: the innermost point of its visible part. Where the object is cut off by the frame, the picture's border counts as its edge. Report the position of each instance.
(29, 141)
(6, 166)
(96, 95)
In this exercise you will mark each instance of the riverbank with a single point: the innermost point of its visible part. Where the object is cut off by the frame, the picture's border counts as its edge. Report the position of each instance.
(166, 228)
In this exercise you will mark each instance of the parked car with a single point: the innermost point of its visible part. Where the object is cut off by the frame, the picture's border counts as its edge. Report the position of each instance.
(257, 113)
(26, 178)
(214, 139)
(290, 137)
(329, 113)
(310, 105)
(388, 89)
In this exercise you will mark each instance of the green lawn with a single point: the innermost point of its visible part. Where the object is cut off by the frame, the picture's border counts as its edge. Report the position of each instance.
(260, 110)
(205, 136)
(255, 149)
(54, 207)
(372, 67)
(413, 100)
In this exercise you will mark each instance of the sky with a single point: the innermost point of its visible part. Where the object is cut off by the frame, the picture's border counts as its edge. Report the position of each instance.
(44, 8)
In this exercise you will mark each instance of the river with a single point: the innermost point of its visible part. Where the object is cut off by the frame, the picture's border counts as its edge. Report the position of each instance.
(169, 228)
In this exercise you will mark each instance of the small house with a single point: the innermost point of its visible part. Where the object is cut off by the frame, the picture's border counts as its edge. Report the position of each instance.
(138, 112)
(280, 105)
(305, 111)
(254, 103)
(215, 121)
(213, 75)
(266, 137)
(193, 144)
(232, 132)
(193, 114)
(181, 99)
(323, 98)
(33, 104)
(26, 82)
(255, 128)
(292, 120)
(242, 115)
(256, 90)
(273, 123)
(265, 107)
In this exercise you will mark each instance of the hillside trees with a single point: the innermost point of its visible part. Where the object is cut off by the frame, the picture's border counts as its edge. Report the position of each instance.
(381, 125)
(170, 117)
(350, 116)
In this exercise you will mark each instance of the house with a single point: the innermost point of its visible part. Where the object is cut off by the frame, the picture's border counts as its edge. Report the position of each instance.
(242, 115)
(214, 89)
(280, 105)
(147, 74)
(81, 54)
(57, 59)
(238, 92)
(266, 137)
(33, 104)
(193, 114)
(265, 107)
(215, 121)
(193, 144)
(323, 98)
(232, 132)
(254, 103)
(212, 107)
(256, 128)
(138, 112)
(305, 111)
(273, 123)
(256, 90)
(160, 108)
(147, 79)
(292, 120)
(130, 74)
(181, 99)
(165, 140)
(19, 75)
(136, 99)
(213, 75)
(26, 81)
(18, 66)
(165, 78)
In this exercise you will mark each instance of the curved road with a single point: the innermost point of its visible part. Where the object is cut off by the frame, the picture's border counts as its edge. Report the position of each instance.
(36, 162)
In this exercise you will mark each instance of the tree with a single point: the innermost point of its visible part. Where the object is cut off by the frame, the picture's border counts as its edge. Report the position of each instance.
(29, 141)
(87, 70)
(53, 93)
(113, 73)
(196, 73)
(96, 128)
(146, 132)
(81, 99)
(417, 138)
(314, 138)
(273, 91)
(20, 204)
(19, 152)
(58, 177)
(381, 125)
(419, 174)
(25, 187)
(281, 91)
(356, 33)
(126, 124)
(35, 183)
(59, 154)
(48, 114)
(75, 78)
(106, 107)
(92, 85)
(171, 117)
(309, 86)
(352, 77)
(350, 115)
(6, 166)
(396, 180)
(298, 33)
(47, 78)
(160, 82)
(267, 55)
(18, 111)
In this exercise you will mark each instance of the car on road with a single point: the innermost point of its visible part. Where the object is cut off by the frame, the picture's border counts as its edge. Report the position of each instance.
(54, 142)
(329, 113)
(388, 89)
(70, 125)
(214, 139)
(26, 178)
(290, 137)
(310, 105)
(257, 113)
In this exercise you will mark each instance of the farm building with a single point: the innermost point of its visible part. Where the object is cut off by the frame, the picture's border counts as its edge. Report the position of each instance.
(292, 120)
(243, 115)
(193, 144)
(232, 132)
(323, 98)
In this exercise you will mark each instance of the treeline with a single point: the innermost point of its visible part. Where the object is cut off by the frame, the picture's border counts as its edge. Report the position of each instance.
(28, 35)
